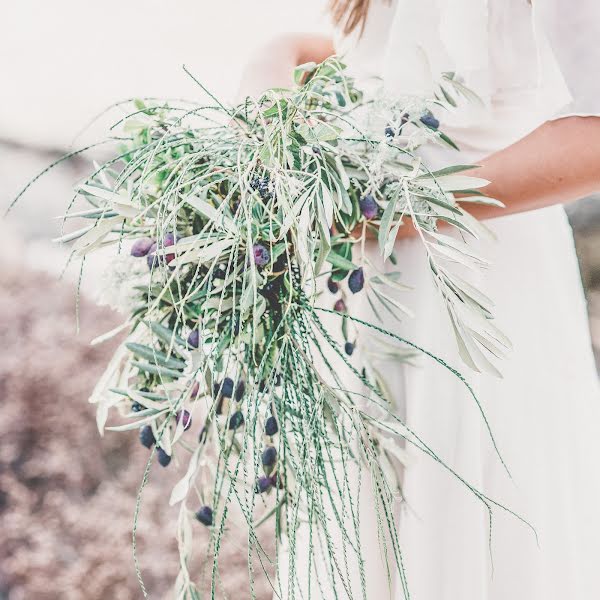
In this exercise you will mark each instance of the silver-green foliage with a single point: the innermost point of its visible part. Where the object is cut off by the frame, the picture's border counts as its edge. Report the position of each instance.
(251, 209)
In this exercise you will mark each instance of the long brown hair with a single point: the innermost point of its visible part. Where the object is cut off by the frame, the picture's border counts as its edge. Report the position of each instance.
(349, 14)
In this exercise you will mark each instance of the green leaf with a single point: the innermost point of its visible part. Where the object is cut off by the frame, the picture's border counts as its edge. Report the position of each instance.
(389, 301)
(476, 197)
(386, 224)
(148, 395)
(136, 424)
(340, 98)
(155, 356)
(339, 275)
(301, 70)
(385, 280)
(448, 141)
(280, 107)
(447, 96)
(156, 370)
(165, 334)
(340, 262)
(321, 132)
(448, 171)
(435, 200)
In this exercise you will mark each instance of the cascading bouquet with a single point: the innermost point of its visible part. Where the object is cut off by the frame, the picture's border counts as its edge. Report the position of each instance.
(240, 236)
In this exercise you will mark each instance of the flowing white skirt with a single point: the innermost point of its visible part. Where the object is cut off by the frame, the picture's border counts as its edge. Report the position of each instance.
(545, 414)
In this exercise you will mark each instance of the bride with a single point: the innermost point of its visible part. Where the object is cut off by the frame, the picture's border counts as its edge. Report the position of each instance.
(536, 137)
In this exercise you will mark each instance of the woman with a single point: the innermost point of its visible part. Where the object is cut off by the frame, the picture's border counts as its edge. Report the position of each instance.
(537, 139)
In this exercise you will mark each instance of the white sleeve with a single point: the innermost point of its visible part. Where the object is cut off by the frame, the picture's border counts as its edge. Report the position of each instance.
(568, 36)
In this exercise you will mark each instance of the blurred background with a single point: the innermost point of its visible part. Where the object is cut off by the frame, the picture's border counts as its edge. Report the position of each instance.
(66, 495)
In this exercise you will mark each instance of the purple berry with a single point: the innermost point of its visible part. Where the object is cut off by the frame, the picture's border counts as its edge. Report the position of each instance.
(263, 485)
(332, 286)
(340, 306)
(195, 389)
(349, 348)
(269, 456)
(224, 389)
(240, 390)
(236, 420)
(169, 240)
(277, 480)
(163, 458)
(261, 255)
(151, 257)
(430, 121)
(184, 417)
(153, 260)
(194, 339)
(136, 407)
(356, 281)
(368, 207)
(219, 273)
(147, 436)
(264, 188)
(205, 516)
(141, 247)
(389, 132)
(227, 387)
(271, 426)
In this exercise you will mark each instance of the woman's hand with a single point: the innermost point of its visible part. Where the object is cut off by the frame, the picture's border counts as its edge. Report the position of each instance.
(273, 65)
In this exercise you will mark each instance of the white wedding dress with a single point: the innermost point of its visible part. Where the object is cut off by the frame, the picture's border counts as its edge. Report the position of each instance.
(528, 65)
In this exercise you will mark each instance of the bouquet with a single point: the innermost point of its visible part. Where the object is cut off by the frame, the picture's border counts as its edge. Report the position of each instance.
(240, 236)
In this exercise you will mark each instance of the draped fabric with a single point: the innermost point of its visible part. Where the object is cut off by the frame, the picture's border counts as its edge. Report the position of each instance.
(550, 48)
(528, 64)
(568, 36)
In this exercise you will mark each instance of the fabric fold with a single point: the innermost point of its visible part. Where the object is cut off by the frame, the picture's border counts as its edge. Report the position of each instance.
(567, 38)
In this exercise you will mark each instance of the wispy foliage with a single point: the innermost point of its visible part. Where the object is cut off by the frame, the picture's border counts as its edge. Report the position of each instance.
(241, 214)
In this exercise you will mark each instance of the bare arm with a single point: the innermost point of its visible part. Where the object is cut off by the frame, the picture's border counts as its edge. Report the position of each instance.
(558, 162)
(274, 63)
